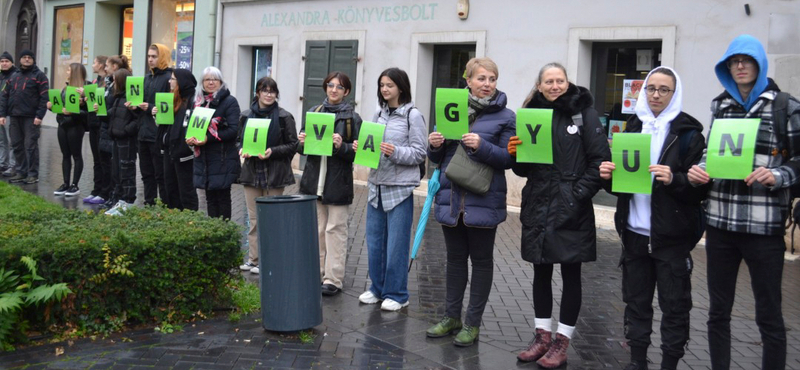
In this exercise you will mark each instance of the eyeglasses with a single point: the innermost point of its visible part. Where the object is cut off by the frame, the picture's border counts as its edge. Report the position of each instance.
(745, 62)
(662, 91)
(269, 93)
(211, 79)
(338, 87)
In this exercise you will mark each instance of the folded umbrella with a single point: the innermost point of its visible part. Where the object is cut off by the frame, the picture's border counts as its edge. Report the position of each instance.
(433, 188)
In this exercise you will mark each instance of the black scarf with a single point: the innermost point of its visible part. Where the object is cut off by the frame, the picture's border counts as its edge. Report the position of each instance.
(273, 113)
(336, 108)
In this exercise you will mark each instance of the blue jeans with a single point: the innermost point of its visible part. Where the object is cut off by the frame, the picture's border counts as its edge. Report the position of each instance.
(388, 241)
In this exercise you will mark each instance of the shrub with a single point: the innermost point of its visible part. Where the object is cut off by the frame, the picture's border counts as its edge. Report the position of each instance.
(151, 265)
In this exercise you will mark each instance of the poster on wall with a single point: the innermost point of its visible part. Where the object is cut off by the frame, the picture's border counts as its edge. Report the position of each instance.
(127, 34)
(68, 42)
(184, 50)
(630, 93)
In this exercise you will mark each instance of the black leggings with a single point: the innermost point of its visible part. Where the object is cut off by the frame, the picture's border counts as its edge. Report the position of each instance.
(543, 292)
(70, 139)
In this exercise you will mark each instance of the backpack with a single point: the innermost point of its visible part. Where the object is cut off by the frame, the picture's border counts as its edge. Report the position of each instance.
(422, 166)
(348, 125)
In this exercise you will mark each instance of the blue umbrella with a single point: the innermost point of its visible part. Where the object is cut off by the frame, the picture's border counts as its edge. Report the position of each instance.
(433, 188)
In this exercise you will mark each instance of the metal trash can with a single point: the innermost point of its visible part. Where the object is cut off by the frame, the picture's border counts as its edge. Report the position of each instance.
(289, 262)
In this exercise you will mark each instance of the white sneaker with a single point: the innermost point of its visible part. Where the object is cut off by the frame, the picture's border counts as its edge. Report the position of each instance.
(118, 208)
(391, 305)
(255, 270)
(368, 298)
(247, 266)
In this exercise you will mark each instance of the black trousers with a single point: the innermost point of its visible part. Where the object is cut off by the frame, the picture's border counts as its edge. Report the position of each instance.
(151, 166)
(465, 244)
(24, 137)
(101, 167)
(763, 255)
(124, 169)
(543, 292)
(70, 140)
(178, 180)
(107, 183)
(218, 203)
(642, 272)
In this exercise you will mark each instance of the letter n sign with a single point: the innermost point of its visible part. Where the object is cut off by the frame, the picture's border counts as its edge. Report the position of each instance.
(731, 148)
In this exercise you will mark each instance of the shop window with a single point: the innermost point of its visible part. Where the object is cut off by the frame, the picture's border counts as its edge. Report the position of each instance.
(262, 64)
(172, 24)
(67, 42)
(126, 44)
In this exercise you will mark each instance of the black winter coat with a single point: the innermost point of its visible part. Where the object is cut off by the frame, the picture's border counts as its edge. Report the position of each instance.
(106, 141)
(217, 166)
(557, 213)
(338, 188)
(74, 119)
(6, 75)
(174, 139)
(25, 94)
(157, 80)
(278, 166)
(121, 120)
(676, 212)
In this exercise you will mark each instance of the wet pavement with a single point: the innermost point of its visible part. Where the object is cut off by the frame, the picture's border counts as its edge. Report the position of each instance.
(357, 336)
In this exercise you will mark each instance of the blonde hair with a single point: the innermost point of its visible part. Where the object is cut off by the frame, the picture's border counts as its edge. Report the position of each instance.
(539, 80)
(484, 62)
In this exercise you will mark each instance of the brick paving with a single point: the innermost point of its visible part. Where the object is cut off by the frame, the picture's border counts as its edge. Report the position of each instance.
(355, 336)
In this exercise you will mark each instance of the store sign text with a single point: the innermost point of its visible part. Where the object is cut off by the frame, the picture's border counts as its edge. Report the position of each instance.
(351, 15)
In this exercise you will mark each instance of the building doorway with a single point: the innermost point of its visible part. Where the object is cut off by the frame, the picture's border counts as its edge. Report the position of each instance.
(27, 28)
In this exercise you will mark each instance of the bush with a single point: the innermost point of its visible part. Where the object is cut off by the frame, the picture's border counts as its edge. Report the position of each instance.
(151, 265)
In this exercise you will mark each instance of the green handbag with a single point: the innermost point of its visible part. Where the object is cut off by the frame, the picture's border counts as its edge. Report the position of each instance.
(474, 176)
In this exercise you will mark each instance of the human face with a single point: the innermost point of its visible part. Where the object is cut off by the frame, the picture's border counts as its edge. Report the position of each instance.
(69, 72)
(110, 67)
(553, 83)
(173, 82)
(152, 58)
(389, 91)
(656, 100)
(98, 67)
(744, 69)
(5, 64)
(335, 91)
(26, 61)
(211, 84)
(266, 98)
(483, 83)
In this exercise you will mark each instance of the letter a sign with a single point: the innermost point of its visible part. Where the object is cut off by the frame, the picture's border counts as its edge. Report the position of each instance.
(198, 123)
(452, 119)
(534, 128)
(370, 137)
(731, 148)
(631, 156)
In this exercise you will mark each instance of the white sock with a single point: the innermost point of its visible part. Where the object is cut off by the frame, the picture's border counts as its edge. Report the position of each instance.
(546, 324)
(565, 330)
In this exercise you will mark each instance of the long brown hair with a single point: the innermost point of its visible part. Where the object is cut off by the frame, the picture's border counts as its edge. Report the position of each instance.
(120, 76)
(121, 61)
(77, 75)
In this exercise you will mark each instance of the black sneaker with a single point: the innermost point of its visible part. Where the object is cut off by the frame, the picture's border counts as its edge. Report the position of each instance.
(17, 178)
(31, 180)
(330, 289)
(61, 189)
(72, 191)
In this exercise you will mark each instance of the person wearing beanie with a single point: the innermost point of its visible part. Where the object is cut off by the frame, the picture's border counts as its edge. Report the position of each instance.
(178, 157)
(7, 162)
(24, 101)
(746, 218)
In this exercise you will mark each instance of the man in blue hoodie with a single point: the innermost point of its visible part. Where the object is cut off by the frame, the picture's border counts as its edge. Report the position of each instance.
(746, 218)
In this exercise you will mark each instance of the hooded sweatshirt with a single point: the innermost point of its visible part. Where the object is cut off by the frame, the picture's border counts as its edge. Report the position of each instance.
(157, 80)
(744, 45)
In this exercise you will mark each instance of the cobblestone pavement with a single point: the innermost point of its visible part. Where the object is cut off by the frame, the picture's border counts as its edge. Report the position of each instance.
(356, 336)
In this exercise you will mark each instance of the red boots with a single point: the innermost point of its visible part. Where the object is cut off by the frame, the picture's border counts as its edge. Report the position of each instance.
(539, 346)
(557, 355)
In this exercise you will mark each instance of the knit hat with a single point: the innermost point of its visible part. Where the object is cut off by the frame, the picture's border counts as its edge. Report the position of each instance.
(7, 55)
(29, 53)
(186, 83)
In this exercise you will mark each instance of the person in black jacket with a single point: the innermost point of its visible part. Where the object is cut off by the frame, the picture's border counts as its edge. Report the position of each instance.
(71, 127)
(24, 100)
(151, 163)
(178, 157)
(268, 173)
(331, 179)
(557, 213)
(659, 230)
(101, 150)
(216, 162)
(113, 64)
(123, 129)
(7, 162)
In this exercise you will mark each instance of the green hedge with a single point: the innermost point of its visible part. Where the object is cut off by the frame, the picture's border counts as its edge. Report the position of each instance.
(151, 265)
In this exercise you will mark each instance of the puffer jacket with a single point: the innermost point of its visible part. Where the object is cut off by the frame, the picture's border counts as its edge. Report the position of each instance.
(495, 125)
(157, 80)
(557, 214)
(407, 131)
(278, 167)
(25, 94)
(121, 121)
(217, 166)
(6, 75)
(338, 188)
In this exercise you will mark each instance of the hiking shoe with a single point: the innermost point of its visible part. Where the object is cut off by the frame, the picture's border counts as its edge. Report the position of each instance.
(61, 190)
(329, 289)
(9, 172)
(72, 191)
(368, 298)
(538, 347)
(17, 178)
(392, 305)
(467, 336)
(557, 355)
(447, 326)
(255, 270)
(31, 180)
(97, 200)
(247, 266)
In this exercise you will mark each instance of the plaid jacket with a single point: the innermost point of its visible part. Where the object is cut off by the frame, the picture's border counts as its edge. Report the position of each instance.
(756, 209)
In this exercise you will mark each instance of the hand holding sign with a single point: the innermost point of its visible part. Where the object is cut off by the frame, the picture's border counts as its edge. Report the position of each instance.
(631, 157)
(198, 124)
(534, 129)
(101, 102)
(134, 90)
(90, 92)
(164, 102)
(254, 139)
(452, 114)
(370, 137)
(72, 100)
(319, 135)
(731, 148)
(56, 105)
